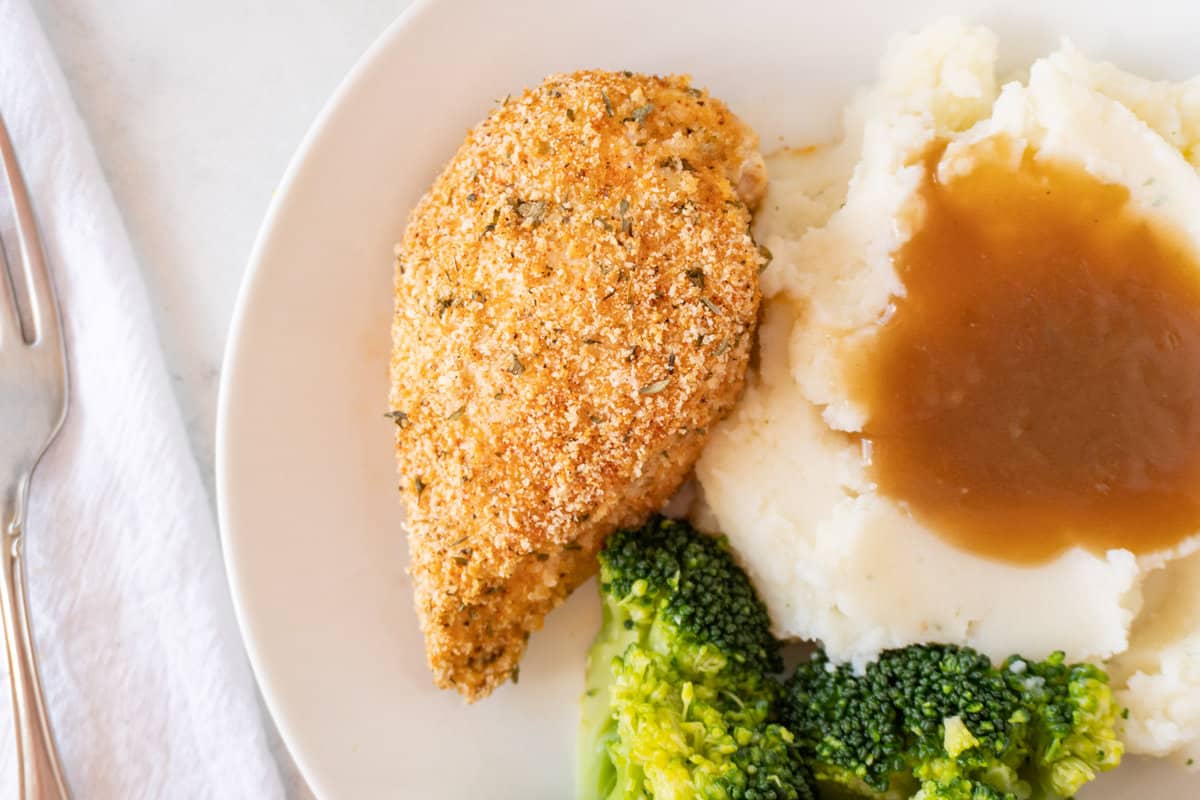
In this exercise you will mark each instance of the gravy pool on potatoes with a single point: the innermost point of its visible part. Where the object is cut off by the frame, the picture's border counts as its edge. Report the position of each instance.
(1038, 386)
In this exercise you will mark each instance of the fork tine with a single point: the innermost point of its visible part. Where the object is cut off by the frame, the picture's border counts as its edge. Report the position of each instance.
(10, 319)
(43, 306)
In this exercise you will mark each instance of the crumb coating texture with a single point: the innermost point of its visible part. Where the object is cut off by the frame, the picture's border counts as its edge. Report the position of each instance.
(575, 303)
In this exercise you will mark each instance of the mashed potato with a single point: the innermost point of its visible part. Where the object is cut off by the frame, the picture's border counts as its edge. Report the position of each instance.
(1158, 677)
(786, 478)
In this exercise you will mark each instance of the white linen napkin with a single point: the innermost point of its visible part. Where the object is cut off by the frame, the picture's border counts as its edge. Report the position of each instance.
(148, 688)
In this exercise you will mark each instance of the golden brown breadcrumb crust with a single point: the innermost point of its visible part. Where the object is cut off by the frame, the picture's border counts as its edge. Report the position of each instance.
(575, 302)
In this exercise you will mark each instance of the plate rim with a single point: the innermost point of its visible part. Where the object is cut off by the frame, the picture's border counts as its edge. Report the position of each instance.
(231, 357)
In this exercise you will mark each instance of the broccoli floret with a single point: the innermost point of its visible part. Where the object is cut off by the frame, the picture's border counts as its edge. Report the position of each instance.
(938, 722)
(1073, 736)
(681, 699)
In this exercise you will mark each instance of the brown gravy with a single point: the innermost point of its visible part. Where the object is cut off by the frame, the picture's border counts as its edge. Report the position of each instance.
(1039, 385)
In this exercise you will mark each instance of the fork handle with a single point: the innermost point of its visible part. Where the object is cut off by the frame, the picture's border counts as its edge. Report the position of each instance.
(39, 776)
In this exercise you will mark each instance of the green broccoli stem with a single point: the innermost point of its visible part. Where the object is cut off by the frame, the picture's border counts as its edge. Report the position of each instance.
(595, 773)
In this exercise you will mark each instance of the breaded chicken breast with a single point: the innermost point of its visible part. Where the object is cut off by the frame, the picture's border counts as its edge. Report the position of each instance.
(575, 304)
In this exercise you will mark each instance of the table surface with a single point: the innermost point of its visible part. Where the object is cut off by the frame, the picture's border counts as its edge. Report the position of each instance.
(195, 108)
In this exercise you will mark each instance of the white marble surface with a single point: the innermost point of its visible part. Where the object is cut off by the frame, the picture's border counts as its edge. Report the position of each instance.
(195, 108)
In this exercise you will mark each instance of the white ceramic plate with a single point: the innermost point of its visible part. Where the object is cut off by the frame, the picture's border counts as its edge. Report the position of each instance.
(309, 509)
